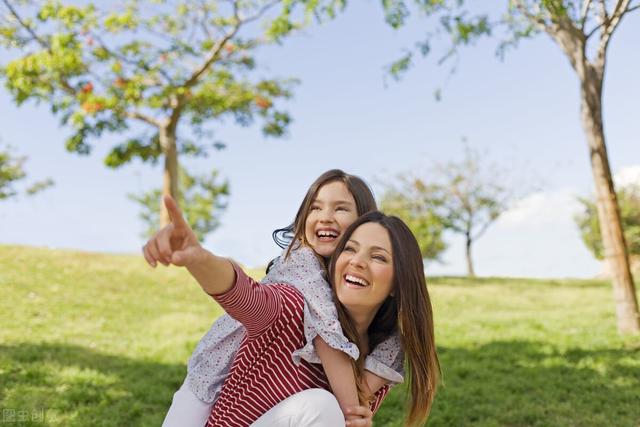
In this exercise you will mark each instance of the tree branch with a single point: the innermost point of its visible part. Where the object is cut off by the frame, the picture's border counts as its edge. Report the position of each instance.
(143, 117)
(214, 53)
(24, 25)
(536, 20)
(610, 26)
(586, 5)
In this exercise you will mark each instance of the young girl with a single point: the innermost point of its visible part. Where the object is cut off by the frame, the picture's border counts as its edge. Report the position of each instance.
(332, 203)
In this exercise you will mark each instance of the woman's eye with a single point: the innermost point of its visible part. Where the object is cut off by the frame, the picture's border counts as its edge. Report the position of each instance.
(315, 208)
(349, 249)
(380, 258)
(340, 208)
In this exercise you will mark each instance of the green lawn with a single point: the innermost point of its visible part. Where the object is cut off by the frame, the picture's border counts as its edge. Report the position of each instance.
(93, 339)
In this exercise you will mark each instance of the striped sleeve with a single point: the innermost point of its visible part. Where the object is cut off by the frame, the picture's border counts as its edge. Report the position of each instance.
(254, 305)
(378, 397)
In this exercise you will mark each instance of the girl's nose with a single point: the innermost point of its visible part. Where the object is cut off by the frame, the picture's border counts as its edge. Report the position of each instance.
(325, 216)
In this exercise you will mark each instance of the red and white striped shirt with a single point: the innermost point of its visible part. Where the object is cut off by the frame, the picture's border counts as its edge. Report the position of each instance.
(263, 373)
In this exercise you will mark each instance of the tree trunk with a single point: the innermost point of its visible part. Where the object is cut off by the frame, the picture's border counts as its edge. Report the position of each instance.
(170, 173)
(470, 271)
(613, 241)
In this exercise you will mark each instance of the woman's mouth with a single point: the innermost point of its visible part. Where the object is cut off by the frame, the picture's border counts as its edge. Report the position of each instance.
(355, 282)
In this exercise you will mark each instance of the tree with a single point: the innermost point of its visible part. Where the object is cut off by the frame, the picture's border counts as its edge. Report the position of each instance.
(146, 70)
(465, 197)
(473, 198)
(12, 171)
(202, 198)
(583, 31)
(587, 222)
(417, 204)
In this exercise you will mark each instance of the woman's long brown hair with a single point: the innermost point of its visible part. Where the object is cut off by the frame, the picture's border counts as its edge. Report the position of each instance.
(408, 311)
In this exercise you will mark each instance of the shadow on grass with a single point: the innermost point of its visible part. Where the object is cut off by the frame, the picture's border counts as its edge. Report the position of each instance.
(519, 383)
(77, 386)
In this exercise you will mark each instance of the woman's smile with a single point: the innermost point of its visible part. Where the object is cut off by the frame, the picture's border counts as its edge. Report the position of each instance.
(364, 268)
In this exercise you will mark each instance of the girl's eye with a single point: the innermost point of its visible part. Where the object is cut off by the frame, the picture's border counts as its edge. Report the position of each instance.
(349, 249)
(315, 208)
(380, 258)
(342, 208)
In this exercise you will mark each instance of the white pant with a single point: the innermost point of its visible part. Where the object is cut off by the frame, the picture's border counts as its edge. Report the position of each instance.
(315, 407)
(187, 410)
(310, 408)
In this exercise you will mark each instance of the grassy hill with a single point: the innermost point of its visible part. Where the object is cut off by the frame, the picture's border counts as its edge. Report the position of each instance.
(94, 339)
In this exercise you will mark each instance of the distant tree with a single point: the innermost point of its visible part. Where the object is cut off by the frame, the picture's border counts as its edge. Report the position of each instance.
(158, 73)
(587, 221)
(464, 197)
(418, 204)
(582, 29)
(474, 196)
(202, 198)
(12, 171)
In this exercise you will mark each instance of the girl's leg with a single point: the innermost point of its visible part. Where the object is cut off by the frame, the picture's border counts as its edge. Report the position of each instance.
(187, 410)
(310, 408)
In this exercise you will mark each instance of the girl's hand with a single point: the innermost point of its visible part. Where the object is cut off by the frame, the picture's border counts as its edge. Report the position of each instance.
(358, 416)
(175, 243)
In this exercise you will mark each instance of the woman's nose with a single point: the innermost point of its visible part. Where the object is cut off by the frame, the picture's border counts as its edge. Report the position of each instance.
(357, 261)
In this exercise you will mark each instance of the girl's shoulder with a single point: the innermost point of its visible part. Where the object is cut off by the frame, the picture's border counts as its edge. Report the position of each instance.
(301, 261)
(301, 254)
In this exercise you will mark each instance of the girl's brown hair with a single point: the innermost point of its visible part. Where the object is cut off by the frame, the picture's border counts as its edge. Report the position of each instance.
(359, 189)
(408, 311)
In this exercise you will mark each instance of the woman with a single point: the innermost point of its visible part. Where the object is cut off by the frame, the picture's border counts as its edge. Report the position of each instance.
(379, 286)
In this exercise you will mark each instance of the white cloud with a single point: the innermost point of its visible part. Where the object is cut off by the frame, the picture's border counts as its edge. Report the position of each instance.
(542, 208)
(627, 175)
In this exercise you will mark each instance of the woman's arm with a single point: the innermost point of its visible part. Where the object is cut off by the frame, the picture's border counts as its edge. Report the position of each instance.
(372, 383)
(177, 244)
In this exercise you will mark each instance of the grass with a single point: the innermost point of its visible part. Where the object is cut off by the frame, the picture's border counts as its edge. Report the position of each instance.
(94, 339)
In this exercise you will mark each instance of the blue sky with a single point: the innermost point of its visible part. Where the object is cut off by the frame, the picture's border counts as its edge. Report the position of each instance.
(348, 114)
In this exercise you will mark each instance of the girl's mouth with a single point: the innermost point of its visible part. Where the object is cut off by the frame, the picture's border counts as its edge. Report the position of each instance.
(327, 235)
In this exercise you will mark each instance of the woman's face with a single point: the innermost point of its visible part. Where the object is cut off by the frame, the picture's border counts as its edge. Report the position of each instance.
(364, 269)
(332, 211)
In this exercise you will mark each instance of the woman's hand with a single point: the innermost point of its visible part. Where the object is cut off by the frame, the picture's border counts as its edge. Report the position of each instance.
(175, 243)
(358, 416)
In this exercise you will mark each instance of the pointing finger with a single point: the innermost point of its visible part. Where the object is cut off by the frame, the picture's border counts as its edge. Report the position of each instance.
(174, 212)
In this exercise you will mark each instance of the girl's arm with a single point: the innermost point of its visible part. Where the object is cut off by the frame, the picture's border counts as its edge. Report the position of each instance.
(337, 367)
(385, 363)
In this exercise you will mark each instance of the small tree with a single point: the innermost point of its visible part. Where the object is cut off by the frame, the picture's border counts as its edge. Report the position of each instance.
(587, 222)
(12, 171)
(147, 69)
(417, 204)
(464, 197)
(202, 198)
(473, 197)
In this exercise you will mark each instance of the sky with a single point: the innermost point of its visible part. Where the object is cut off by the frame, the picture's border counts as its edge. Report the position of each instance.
(522, 112)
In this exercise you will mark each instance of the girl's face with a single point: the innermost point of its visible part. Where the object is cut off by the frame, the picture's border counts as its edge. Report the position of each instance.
(332, 211)
(364, 269)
